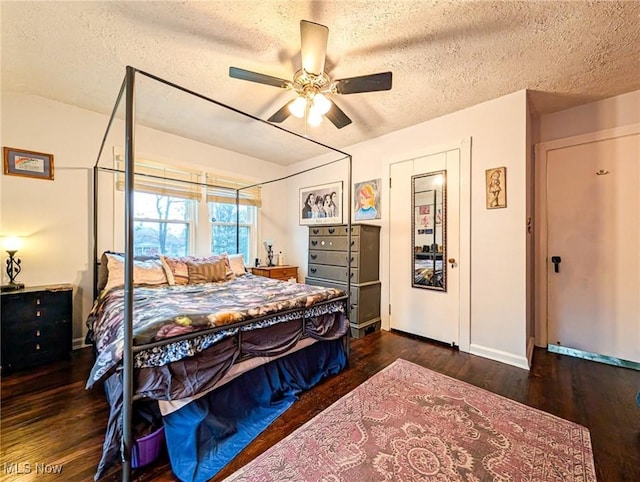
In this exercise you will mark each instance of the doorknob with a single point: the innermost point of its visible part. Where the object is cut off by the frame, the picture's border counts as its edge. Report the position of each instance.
(556, 260)
(452, 261)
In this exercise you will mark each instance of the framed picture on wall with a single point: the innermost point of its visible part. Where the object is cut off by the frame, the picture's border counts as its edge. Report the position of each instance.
(20, 162)
(366, 200)
(321, 204)
(496, 180)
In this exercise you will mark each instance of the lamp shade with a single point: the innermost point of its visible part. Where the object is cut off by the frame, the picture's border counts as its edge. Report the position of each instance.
(12, 243)
(298, 106)
(321, 104)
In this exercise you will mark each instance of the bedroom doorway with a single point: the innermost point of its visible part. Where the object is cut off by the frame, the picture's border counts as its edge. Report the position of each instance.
(428, 313)
(591, 214)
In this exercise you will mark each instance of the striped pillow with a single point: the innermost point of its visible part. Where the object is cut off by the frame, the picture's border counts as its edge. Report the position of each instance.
(176, 269)
(206, 271)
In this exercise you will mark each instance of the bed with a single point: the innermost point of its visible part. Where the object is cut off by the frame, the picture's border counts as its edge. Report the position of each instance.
(195, 337)
(253, 343)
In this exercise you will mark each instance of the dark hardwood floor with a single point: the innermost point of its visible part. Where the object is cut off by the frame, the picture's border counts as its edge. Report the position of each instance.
(49, 418)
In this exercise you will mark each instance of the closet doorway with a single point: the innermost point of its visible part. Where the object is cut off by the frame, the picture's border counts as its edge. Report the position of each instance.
(431, 313)
(590, 239)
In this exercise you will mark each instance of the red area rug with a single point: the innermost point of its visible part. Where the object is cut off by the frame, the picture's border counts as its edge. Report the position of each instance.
(408, 423)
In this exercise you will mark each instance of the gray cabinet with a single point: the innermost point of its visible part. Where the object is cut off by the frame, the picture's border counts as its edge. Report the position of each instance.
(328, 265)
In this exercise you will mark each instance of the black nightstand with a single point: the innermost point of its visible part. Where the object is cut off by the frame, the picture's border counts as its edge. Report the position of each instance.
(36, 326)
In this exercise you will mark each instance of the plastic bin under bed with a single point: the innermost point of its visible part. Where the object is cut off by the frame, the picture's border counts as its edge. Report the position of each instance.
(147, 449)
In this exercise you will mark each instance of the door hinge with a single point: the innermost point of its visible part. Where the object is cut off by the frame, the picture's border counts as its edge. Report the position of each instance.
(389, 183)
(389, 309)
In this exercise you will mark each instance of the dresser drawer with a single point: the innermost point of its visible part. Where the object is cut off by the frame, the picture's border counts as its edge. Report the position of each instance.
(283, 273)
(41, 331)
(337, 273)
(332, 243)
(46, 305)
(334, 231)
(367, 295)
(334, 258)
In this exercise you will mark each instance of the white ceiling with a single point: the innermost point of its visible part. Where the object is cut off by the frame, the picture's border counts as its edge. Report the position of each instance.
(445, 56)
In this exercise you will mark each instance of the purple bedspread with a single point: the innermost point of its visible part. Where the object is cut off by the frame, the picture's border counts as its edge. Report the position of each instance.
(168, 311)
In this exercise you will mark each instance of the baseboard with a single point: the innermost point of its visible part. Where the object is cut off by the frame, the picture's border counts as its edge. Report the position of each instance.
(78, 343)
(587, 355)
(501, 356)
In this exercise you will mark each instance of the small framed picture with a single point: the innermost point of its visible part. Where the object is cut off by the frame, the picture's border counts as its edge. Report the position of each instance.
(20, 162)
(321, 204)
(496, 187)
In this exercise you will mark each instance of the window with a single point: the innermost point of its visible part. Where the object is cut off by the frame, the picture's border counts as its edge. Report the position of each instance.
(165, 201)
(168, 200)
(162, 224)
(221, 197)
(223, 228)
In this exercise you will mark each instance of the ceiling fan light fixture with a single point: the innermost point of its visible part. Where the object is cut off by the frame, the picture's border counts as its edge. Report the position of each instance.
(315, 118)
(321, 104)
(298, 106)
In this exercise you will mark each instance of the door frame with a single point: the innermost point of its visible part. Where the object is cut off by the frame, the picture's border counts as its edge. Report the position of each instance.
(540, 255)
(464, 262)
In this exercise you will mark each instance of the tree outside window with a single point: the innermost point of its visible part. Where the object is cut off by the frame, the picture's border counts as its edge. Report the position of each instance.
(162, 224)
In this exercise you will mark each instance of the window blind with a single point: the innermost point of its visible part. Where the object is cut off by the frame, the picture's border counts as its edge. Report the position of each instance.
(156, 178)
(223, 190)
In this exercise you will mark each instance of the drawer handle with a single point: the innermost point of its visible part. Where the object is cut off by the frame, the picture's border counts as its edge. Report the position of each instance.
(38, 313)
(349, 260)
(332, 230)
(37, 332)
(313, 270)
(37, 301)
(314, 242)
(352, 306)
(314, 256)
(353, 241)
(38, 346)
(315, 231)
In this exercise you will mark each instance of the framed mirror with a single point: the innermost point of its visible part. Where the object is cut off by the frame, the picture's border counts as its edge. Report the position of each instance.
(428, 230)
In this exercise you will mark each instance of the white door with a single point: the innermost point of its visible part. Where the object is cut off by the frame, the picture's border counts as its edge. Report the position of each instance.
(428, 313)
(593, 228)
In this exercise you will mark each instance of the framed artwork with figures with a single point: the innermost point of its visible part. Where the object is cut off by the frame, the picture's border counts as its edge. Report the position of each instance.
(496, 187)
(321, 204)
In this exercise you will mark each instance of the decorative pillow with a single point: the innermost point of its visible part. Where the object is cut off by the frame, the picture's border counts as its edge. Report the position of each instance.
(236, 261)
(205, 271)
(149, 272)
(175, 269)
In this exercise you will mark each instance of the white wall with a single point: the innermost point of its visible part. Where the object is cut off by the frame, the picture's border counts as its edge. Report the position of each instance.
(498, 129)
(55, 217)
(596, 116)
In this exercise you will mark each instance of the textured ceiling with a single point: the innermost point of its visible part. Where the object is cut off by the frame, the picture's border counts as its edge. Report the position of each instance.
(444, 55)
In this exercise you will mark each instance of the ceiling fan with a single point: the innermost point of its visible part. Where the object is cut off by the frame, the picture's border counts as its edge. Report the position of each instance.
(312, 84)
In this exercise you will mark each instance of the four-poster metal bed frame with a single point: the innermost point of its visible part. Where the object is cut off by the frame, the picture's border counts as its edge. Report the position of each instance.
(130, 349)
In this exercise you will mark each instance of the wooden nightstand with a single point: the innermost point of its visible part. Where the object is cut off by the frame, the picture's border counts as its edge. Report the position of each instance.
(36, 325)
(283, 273)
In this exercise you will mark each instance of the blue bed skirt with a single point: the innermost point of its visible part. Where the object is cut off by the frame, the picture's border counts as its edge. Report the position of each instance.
(206, 434)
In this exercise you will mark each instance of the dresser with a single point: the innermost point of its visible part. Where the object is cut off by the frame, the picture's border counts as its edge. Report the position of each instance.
(284, 273)
(328, 266)
(35, 326)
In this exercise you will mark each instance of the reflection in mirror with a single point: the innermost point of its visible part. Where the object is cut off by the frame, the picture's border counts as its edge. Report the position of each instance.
(428, 233)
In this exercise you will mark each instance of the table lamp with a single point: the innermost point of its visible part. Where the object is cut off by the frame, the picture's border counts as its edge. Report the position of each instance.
(12, 245)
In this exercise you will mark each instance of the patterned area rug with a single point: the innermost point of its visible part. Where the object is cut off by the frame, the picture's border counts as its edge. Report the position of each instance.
(408, 423)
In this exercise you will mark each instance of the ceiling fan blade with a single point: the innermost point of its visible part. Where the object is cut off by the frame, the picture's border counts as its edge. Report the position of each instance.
(242, 74)
(281, 114)
(337, 117)
(364, 83)
(313, 38)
